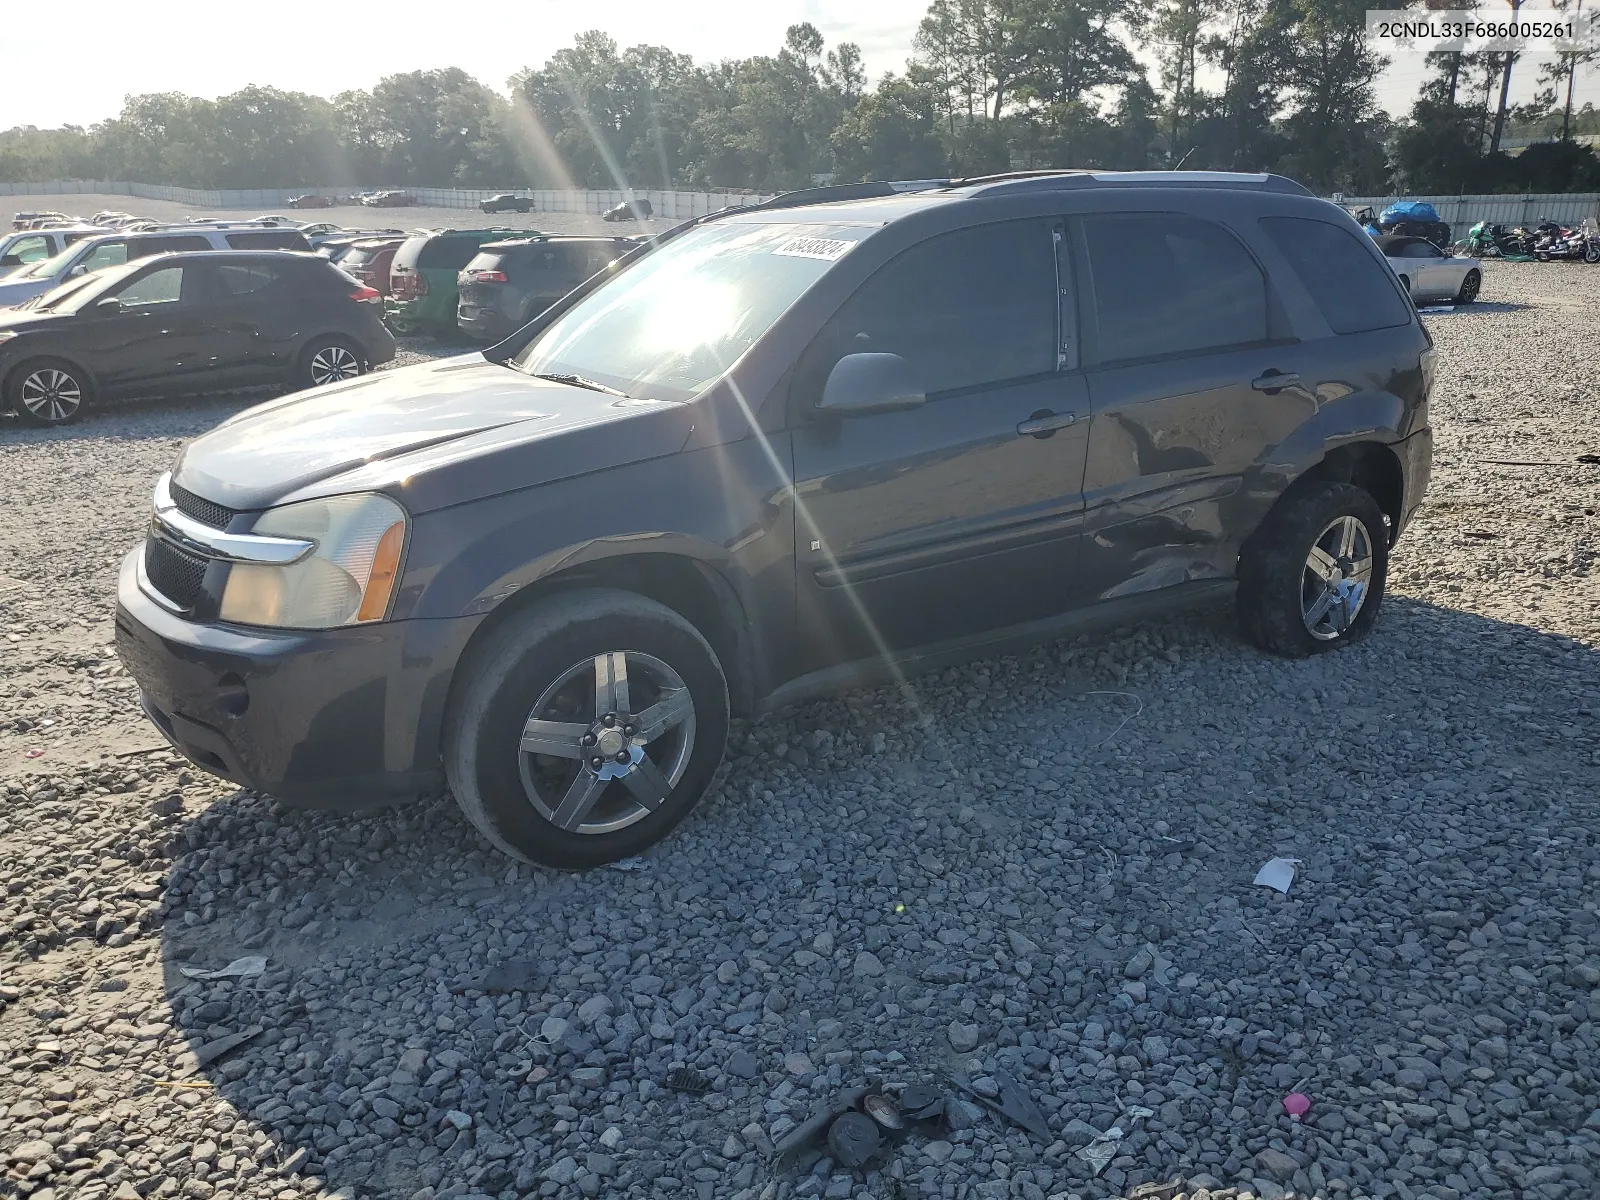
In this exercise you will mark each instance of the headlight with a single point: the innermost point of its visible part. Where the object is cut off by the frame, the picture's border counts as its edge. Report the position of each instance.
(347, 580)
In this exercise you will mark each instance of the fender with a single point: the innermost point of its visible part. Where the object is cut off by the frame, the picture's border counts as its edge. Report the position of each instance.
(1357, 417)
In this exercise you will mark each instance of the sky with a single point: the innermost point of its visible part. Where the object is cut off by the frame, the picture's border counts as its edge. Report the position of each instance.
(333, 45)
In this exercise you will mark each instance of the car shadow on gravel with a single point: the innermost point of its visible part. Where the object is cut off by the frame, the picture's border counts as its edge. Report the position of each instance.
(1039, 848)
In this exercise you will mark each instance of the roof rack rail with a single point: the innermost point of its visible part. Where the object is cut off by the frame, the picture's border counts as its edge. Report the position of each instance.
(834, 192)
(1026, 181)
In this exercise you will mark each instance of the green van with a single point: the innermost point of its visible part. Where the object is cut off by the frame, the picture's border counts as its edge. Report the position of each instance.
(422, 278)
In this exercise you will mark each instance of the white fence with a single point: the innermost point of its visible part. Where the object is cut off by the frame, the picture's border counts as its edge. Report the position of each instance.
(1463, 212)
(670, 205)
(1569, 208)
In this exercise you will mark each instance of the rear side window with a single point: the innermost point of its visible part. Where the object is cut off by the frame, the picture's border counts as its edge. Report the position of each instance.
(442, 253)
(240, 279)
(145, 247)
(493, 260)
(1354, 292)
(964, 309)
(268, 239)
(1167, 284)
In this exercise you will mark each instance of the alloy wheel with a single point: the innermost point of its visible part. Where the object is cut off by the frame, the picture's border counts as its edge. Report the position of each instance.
(605, 744)
(1337, 579)
(1469, 287)
(50, 394)
(332, 364)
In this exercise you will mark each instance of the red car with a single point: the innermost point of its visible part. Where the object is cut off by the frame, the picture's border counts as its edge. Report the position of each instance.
(311, 201)
(368, 261)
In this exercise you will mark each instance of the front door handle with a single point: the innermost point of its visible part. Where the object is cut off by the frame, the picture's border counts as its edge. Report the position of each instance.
(1044, 423)
(1273, 382)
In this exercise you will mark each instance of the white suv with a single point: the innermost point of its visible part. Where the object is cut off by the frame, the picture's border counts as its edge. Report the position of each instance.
(114, 249)
(25, 247)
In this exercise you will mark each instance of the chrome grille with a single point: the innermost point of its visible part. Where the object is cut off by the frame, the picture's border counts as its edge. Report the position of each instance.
(176, 574)
(201, 509)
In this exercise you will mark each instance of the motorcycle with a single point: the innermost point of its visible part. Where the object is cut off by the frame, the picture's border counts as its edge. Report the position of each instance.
(1488, 239)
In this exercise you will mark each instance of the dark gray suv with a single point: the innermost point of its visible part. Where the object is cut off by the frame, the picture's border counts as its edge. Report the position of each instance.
(788, 449)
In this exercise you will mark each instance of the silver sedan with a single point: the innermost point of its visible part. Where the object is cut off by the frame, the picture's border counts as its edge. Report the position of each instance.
(1429, 273)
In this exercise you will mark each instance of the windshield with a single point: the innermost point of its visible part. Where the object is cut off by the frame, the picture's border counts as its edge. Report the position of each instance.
(49, 266)
(677, 320)
(76, 293)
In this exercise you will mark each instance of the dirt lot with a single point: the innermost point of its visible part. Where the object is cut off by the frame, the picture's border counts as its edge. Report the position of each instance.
(869, 893)
(352, 216)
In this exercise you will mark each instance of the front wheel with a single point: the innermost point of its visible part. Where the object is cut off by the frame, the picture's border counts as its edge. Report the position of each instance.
(1469, 287)
(1591, 253)
(586, 729)
(1312, 577)
(47, 391)
(330, 360)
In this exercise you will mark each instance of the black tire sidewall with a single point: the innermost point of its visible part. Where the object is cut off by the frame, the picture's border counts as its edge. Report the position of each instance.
(1462, 297)
(13, 390)
(1272, 566)
(500, 697)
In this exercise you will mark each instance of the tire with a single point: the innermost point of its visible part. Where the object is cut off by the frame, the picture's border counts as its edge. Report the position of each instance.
(48, 391)
(1469, 287)
(1591, 253)
(330, 360)
(544, 664)
(1281, 587)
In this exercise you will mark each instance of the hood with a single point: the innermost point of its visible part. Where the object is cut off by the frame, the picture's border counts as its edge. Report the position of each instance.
(433, 435)
(27, 320)
(15, 291)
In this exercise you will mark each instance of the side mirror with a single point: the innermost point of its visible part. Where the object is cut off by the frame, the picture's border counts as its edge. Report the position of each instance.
(863, 384)
(105, 306)
(80, 269)
(11, 260)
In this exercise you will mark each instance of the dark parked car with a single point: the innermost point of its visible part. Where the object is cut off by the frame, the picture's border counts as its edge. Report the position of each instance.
(629, 210)
(175, 324)
(793, 448)
(311, 200)
(422, 275)
(389, 200)
(506, 202)
(508, 283)
(368, 261)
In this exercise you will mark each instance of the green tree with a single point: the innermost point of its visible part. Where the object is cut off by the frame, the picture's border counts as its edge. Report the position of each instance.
(893, 133)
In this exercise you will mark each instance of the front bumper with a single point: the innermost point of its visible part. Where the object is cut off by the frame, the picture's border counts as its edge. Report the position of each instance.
(338, 718)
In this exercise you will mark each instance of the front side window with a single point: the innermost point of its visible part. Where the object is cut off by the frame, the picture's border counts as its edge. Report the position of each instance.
(107, 254)
(158, 287)
(26, 250)
(1167, 284)
(674, 322)
(964, 309)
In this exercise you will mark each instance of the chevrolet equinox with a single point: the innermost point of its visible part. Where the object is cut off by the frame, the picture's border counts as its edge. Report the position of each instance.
(786, 449)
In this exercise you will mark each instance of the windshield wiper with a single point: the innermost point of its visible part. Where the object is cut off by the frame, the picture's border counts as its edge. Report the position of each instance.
(583, 382)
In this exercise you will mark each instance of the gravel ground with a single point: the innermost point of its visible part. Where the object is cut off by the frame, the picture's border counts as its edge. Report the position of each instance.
(354, 215)
(1043, 865)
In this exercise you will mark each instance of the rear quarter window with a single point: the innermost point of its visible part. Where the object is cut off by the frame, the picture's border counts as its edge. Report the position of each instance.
(1355, 292)
(446, 253)
(268, 239)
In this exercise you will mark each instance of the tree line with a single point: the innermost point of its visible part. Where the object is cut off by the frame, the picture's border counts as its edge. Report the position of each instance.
(993, 85)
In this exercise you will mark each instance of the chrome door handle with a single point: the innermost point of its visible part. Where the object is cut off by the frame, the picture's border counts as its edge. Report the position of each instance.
(1275, 381)
(1044, 422)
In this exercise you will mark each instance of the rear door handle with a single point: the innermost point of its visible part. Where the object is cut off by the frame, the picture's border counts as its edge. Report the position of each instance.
(1275, 381)
(1044, 423)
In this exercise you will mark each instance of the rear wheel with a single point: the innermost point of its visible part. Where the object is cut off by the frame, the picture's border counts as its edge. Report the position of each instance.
(330, 360)
(48, 391)
(586, 729)
(1313, 576)
(1469, 287)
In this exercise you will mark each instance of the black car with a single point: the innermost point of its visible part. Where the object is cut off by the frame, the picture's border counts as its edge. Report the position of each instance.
(174, 324)
(506, 202)
(509, 283)
(792, 448)
(629, 210)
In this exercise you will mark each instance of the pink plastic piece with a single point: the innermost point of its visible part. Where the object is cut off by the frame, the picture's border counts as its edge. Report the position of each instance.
(1296, 1104)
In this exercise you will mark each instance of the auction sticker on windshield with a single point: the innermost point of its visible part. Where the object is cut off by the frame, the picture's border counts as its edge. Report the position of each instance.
(827, 249)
